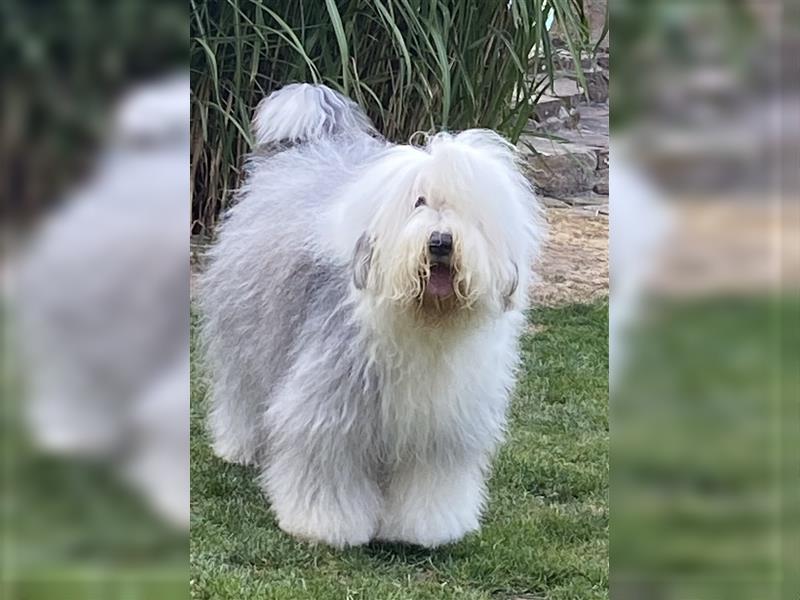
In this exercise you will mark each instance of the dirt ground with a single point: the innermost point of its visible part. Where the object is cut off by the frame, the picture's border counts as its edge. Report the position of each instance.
(573, 267)
(717, 246)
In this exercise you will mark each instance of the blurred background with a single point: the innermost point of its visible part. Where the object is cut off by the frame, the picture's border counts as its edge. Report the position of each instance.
(704, 255)
(704, 299)
(94, 155)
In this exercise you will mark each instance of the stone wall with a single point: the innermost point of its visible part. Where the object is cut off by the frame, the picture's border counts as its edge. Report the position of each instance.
(596, 11)
(596, 14)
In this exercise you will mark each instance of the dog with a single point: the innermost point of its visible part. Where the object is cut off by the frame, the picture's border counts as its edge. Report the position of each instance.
(361, 311)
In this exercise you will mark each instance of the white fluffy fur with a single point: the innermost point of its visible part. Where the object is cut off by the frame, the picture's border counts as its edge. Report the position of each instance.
(371, 409)
(298, 112)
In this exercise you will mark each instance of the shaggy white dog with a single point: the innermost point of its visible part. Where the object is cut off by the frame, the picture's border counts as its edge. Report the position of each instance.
(361, 314)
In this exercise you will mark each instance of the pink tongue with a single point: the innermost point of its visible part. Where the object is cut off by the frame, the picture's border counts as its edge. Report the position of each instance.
(440, 283)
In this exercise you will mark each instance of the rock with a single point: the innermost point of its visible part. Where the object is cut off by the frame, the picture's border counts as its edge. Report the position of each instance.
(547, 107)
(556, 122)
(564, 61)
(602, 157)
(601, 187)
(595, 118)
(597, 84)
(596, 12)
(592, 130)
(553, 202)
(586, 200)
(558, 169)
(567, 90)
(574, 118)
(551, 125)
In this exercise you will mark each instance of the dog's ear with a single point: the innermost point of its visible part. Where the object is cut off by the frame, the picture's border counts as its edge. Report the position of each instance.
(513, 284)
(362, 259)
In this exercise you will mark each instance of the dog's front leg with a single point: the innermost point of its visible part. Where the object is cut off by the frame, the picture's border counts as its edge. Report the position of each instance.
(322, 492)
(433, 504)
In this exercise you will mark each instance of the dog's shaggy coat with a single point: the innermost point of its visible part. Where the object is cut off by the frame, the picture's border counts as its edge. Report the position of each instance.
(366, 381)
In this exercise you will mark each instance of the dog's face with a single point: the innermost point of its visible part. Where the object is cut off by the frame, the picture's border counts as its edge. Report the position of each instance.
(454, 228)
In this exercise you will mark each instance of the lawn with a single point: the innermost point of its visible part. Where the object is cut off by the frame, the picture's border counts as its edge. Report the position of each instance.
(544, 535)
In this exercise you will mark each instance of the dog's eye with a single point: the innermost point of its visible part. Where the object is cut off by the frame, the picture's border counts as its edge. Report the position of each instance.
(420, 202)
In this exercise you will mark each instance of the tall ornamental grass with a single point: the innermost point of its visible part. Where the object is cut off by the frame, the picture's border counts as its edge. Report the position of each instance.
(414, 65)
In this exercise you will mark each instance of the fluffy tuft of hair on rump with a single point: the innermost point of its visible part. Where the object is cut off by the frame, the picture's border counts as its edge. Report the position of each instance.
(303, 112)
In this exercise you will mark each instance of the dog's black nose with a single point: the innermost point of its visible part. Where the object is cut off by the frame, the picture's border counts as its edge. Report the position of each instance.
(440, 244)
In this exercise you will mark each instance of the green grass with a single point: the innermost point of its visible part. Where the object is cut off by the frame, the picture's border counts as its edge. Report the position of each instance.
(544, 535)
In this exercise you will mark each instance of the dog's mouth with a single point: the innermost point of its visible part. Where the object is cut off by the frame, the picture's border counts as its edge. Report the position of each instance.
(440, 280)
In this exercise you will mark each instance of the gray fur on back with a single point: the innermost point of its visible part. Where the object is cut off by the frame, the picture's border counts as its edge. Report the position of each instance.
(267, 295)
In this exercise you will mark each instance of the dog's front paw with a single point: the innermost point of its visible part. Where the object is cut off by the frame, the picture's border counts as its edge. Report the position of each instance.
(317, 503)
(327, 525)
(430, 507)
(429, 528)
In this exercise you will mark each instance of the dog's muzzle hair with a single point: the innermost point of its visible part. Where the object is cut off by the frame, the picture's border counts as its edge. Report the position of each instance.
(361, 310)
